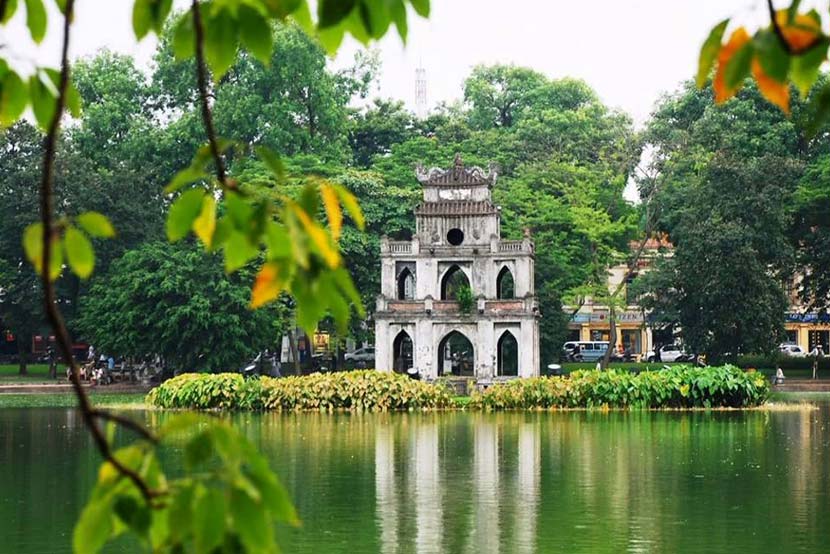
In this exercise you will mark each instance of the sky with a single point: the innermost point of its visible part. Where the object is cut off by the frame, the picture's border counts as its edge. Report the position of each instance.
(629, 51)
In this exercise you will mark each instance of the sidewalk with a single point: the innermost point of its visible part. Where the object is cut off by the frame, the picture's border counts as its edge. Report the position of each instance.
(803, 385)
(64, 387)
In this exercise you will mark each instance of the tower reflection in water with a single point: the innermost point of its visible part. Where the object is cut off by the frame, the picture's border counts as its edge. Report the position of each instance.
(427, 501)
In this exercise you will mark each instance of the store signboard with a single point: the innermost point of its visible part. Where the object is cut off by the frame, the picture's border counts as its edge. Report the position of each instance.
(807, 318)
(628, 316)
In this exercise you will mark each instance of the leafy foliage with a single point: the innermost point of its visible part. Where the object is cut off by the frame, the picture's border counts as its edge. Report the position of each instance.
(196, 315)
(677, 387)
(227, 499)
(367, 390)
(790, 50)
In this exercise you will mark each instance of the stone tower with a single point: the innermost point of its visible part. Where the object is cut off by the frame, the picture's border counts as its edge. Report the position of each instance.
(457, 299)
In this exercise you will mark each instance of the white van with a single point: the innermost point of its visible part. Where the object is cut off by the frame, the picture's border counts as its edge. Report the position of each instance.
(584, 350)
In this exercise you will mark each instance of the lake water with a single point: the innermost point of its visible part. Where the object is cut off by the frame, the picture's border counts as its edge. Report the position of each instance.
(479, 483)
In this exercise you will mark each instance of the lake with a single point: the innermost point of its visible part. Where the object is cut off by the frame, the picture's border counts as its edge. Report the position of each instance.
(460, 482)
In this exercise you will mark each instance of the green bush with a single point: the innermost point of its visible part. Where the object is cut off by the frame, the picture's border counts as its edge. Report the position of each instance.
(678, 387)
(356, 390)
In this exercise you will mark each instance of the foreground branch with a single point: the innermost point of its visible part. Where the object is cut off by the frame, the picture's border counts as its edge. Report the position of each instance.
(201, 75)
(50, 306)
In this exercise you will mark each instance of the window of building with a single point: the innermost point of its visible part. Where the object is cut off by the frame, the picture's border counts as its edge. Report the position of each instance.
(402, 352)
(508, 351)
(505, 287)
(406, 285)
(455, 237)
(455, 355)
(454, 280)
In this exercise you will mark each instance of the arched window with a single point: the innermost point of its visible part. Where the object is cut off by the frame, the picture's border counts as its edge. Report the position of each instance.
(505, 287)
(402, 352)
(508, 350)
(455, 356)
(406, 285)
(454, 279)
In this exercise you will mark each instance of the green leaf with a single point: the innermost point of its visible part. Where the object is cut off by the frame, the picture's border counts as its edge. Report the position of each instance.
(56, 259)
(180, 516)
(93, 527)
(251, 522)
(397, 10)
(73, 100)
(331, 38)
(209, 520)
(13, 98)
(8, 13)
(79, 252)
(220, 43)
(198, 450)
(278, 241)
(255, 33)
(708, 52)
(161, 9)
(771, 55)
(238, 251)
(273, 161)
(33, 244)
(185, 177)
(421, 7)
(804, 68)
(184, 38)
(43, 97)
(133, 513)
(345, 284)
(142, 18)
(96, 224)
(36, 19)
(239, 211)
(737, 68)
(375, 17)
(183, 212)
(332, 12)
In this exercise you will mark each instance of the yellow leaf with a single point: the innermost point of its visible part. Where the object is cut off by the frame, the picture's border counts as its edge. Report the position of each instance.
(267, 286)
(332, 205)
(205, 224)
(318, 236)
(775, 92)
(738, 38)
(801, 34)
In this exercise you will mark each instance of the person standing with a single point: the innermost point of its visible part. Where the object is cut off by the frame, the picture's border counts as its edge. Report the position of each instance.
(817, 352)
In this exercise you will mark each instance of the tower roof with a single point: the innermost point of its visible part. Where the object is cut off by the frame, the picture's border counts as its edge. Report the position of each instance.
(458, 174)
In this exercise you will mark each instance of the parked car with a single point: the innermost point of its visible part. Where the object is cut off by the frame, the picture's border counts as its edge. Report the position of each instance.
(362, 357)
(584, 350)
(669, 353)
(791, 350)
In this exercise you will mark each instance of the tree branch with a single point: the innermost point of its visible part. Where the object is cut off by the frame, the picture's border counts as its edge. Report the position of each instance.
(50, 306)
(201, 74)
(777, 29)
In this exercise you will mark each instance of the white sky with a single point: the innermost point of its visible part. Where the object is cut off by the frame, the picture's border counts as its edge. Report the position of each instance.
(630, 51)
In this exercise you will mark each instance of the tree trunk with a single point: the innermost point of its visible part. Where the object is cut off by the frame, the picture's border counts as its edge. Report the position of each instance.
(612, 338)
(22, 358)
(294, 354)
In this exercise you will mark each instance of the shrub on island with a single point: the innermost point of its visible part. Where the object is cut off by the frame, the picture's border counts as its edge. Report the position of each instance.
(676, 387)
(355, 390)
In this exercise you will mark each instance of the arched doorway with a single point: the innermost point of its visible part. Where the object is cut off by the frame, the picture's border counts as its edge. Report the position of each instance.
(406, 285)
(505, 287)
(455, 356)
(508, 354)
(454, 280)
(402, 352)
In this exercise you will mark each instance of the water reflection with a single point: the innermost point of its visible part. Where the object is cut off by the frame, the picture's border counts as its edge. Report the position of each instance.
(469, 483)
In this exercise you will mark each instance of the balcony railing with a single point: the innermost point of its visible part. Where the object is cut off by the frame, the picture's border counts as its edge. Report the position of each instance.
(511, 246)
(403, 247)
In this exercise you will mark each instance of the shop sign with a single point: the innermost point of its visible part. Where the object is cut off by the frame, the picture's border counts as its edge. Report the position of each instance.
(807, 318)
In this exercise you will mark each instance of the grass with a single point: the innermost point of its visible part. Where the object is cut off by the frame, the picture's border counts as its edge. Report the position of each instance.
(68, 400)
(36, 373)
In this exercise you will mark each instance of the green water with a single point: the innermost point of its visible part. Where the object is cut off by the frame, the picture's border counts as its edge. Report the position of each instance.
(479, 483)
